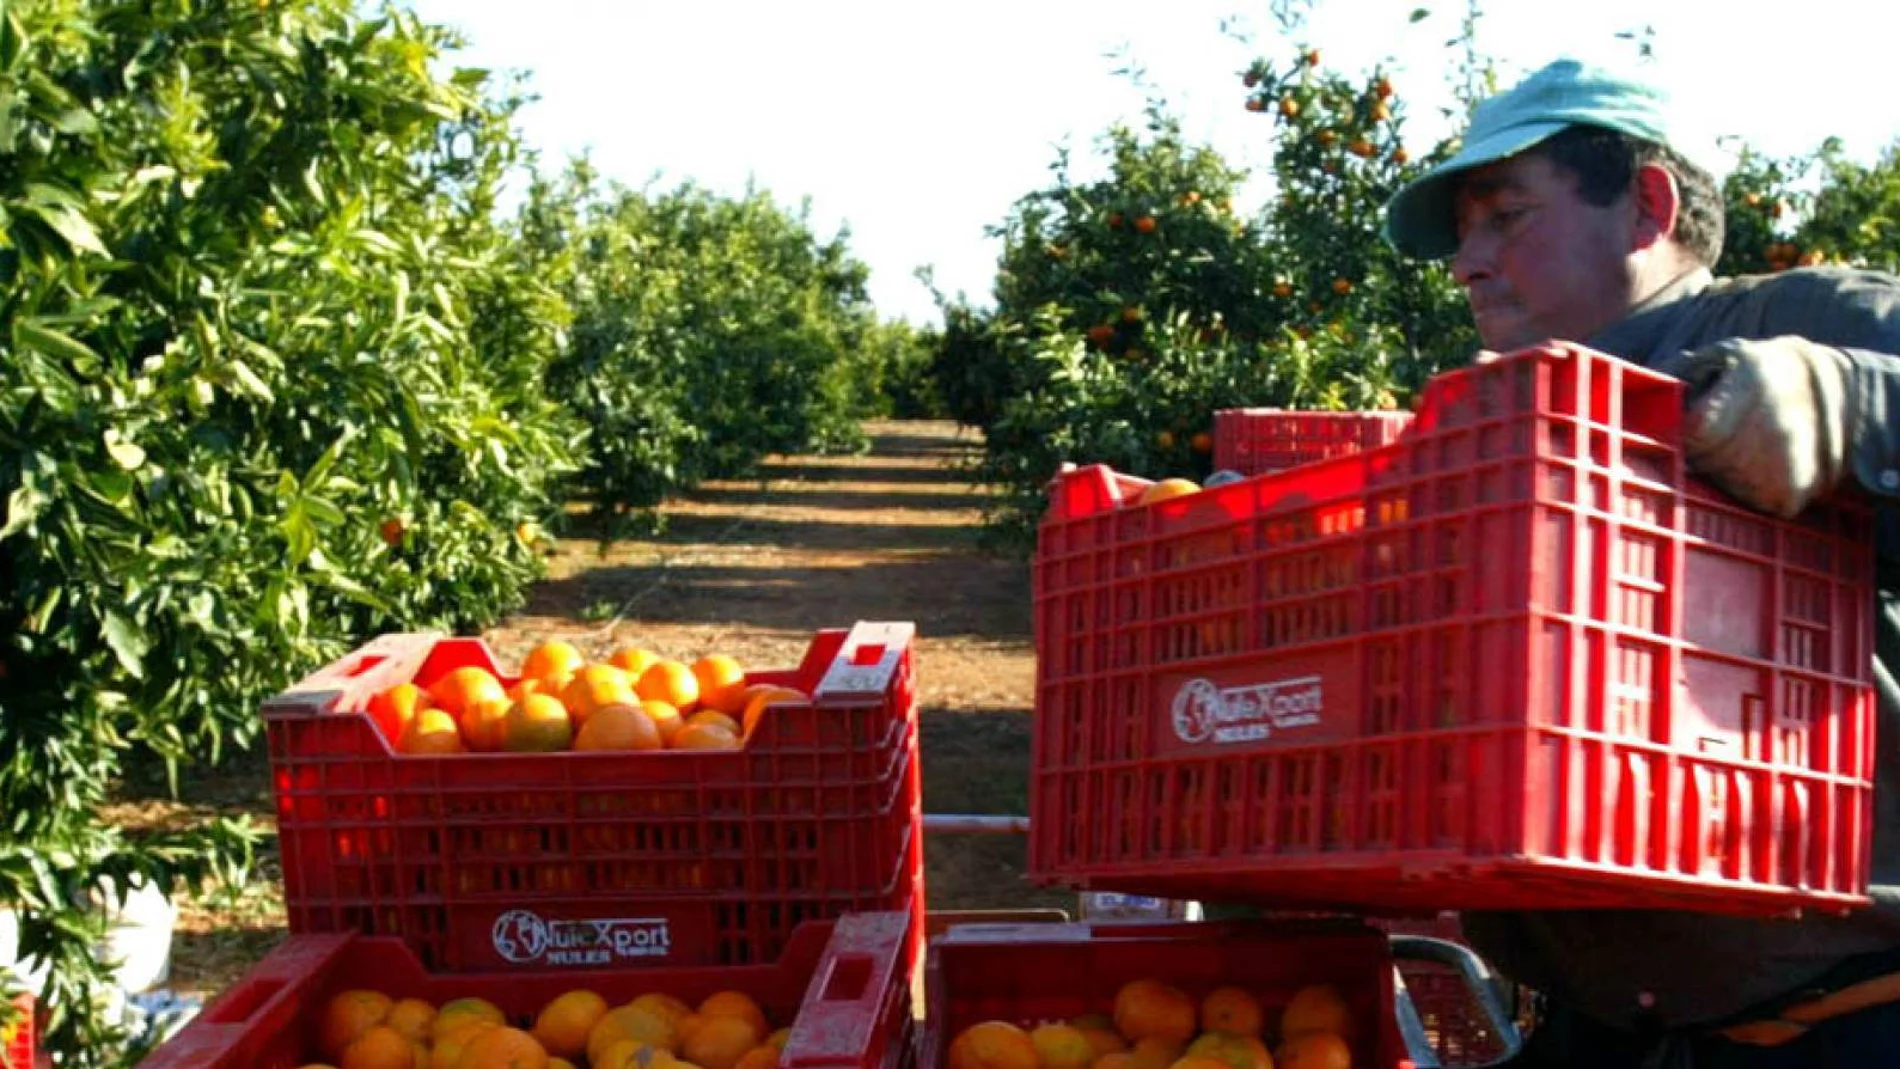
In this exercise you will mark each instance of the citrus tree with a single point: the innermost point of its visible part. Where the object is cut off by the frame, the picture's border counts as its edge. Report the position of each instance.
(270, 381)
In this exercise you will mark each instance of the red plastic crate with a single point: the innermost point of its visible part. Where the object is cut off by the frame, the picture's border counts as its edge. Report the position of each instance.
(498, 861)
(1032, 974)
(17, 1038)
(1257, 441)
(1514, 660)
(844, 987)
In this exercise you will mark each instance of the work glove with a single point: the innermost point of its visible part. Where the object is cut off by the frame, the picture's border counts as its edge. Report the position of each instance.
(1769, 421)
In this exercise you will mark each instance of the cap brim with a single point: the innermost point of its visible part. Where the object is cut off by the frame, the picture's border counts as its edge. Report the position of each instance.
(1419, 220)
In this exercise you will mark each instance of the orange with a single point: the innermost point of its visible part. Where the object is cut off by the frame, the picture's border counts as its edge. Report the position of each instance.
(619, 727)
(1198, 1061)
(633, 660)
(1149, 1009)
(1062, 1046)
(457, 690)
(992, 1045)
(1166, 489)
(1155, 1053)
(431, 732)
(1231, 1010)
(632, 1054)
(552, 659)
(483, 723)
(413, 1018)
(379, 1047)
(1315, 1008)
(563, 1024)
(392, 709)
(594, 686)
(1235, 1052)
(705, 737)
(735, 1004)
(779, 1039)
(665, 718)
(537, 724)
(769, 695)
(719, 1042)
(559, 1063)
(350, 1014)
(1102, 1039)
(673, 683)
(714, 717)
(502, 1048)
(669, 1007)
(462, 1011)
(1120, 1059)
(446, 1051)
(646, 1025)
(765, 1057)
(688, 1025)
(721, 683)
(1314, 1050)
(552, 685)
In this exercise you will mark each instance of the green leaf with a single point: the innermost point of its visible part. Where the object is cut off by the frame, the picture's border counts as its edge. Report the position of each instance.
(128, 643)
(127, 455)
(33, 334)
(24, 506)
(13, 42)
(65, 214)
(1420, 14)
(245, 381)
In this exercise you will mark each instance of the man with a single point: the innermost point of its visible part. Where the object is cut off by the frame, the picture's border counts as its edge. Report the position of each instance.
(1567, 214)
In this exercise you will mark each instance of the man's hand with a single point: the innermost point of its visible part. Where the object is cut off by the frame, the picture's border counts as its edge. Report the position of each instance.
(1769, 421)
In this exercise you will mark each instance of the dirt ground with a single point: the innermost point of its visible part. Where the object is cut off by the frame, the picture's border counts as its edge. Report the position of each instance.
(752, 569)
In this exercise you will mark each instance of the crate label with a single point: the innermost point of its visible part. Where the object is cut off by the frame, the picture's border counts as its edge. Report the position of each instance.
(1206, 712)
(524, 937)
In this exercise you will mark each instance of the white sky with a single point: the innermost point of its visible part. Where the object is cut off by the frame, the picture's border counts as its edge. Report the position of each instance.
(918, 124)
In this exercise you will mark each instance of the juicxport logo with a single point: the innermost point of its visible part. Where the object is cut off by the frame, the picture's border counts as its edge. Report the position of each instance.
(1207, 712)
(527, 938)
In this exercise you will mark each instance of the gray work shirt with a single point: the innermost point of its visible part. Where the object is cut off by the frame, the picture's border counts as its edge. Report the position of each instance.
(1674, 968)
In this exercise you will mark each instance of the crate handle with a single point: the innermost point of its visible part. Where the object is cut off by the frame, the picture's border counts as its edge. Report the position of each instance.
(271, 990)
(867, 660)
(346, 683)
(842, 1018)
(1477, 976)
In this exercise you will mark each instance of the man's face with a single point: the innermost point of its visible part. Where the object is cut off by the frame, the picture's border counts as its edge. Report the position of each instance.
(1538, 261)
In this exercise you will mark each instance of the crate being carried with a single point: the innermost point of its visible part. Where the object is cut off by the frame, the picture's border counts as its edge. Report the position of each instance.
(843, 988)
(1515, 659)
(518, 861)
(1161, 988)
(1257, 441)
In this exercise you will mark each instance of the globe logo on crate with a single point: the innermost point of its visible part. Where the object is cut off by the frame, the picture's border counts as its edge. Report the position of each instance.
(524, 937)
(1204, 711)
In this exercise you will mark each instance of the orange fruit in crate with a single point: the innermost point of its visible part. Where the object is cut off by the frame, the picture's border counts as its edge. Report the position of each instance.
(1314, 1050)
(644, 1025)
(1233, 1011)
(379, 1047)
(1234, 1052)
(633, 660)
(551, 686)
(1316, 1008)
(413, 1018)
(483, 724)
(559, 1063)
(665, 718)
(1103, 1039)
(348, 1015)
(719, 1042)
(502, 1048)
(464, 686)
(705, 736)
(1119, 1059)
(460, 1012)
(779, 1039)
(631, 1054)
(619, 727)
(665, 1005)
(1149, 1009)
(1167, 488)
(721, 683)
(551, 660)
(765, 1057)
(446, 1052)
(563, 1024)
(688, 1025)
(392, 709)
(594, 686)
(537, 724)
(431, 732)
(670, 682)
(715, 718)
(736, 1004)
(1062, 1046)
(1198, 1061)
(1156, 1053)
(992, 1045)
(765, 698)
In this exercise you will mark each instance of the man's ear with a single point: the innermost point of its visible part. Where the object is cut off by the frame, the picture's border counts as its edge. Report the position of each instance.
(1658, 201)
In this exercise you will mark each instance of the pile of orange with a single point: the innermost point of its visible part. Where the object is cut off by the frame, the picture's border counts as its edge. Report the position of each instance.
(1153, 1025)
(363, 1029)
(635, 700)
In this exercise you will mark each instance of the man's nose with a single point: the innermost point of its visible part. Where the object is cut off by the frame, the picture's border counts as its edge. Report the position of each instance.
(1474, 259)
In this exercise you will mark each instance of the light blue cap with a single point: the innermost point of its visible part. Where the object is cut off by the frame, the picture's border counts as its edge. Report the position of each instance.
(1419, 217)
